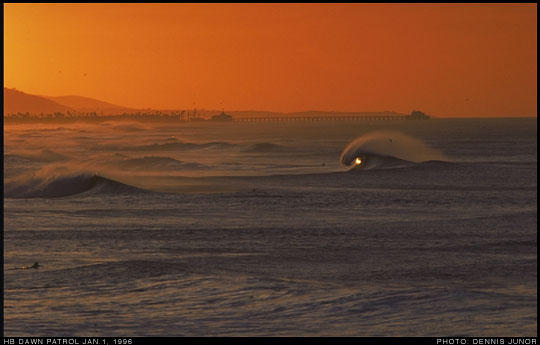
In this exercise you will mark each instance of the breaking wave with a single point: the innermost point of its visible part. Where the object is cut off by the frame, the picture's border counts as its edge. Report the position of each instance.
(61, 186)
(386, 149)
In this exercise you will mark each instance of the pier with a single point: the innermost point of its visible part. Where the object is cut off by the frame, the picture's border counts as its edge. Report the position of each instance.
(321, 118)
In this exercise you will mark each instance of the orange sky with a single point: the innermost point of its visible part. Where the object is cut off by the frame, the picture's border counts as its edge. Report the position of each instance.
(448, 60)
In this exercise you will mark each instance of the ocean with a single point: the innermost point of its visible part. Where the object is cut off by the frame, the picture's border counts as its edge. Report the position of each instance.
(315, 228)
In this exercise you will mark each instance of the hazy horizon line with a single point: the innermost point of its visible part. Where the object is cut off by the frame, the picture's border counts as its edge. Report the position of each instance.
(136, 109)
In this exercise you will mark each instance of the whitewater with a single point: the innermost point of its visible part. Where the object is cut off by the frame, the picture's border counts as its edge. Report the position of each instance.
(347, 228)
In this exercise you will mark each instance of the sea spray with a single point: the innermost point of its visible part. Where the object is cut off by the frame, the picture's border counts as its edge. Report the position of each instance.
(65, 185)
(388, 145)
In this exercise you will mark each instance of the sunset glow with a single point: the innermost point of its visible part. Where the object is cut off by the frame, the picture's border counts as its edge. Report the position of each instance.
(307, 170)
(446, 59)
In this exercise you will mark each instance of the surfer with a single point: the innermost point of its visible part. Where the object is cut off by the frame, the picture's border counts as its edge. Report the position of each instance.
(35, 266)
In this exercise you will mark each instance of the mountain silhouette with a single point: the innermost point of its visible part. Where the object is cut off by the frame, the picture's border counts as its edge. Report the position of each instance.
(88, 105)
(16, 101)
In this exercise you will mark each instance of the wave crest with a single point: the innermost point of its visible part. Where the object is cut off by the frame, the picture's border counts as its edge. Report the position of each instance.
(156, 163)
(61, 186)
(265, 148)
(169, 145)
(42, 156)
(386, 149)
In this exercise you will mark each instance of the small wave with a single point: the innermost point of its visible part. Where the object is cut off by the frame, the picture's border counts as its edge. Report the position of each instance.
(156, 163)
(31, 135)
(42, 156)
(265, 148)
(180, 146)
(168, 146)
(61, 186)
(127, 127)
(55, 129)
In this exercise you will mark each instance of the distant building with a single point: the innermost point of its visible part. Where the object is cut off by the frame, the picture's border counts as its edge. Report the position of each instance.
(417, 115)
(222, 117)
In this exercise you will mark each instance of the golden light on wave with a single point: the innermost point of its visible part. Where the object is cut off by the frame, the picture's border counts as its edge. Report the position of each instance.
(357, 161)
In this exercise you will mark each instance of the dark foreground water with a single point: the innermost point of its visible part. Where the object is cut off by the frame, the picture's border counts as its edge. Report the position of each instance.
(257, 229)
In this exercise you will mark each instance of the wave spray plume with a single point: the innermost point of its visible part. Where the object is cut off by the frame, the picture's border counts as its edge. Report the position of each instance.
(386, 149)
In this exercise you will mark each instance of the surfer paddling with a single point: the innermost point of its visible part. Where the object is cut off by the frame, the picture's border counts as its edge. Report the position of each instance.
(35, 266)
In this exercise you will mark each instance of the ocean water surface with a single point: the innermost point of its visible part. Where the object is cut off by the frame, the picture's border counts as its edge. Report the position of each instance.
(362, 228)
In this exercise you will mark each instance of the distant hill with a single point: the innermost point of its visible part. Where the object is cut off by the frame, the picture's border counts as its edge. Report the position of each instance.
(16, 101)
(88, 105)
